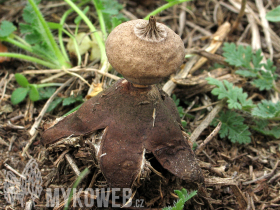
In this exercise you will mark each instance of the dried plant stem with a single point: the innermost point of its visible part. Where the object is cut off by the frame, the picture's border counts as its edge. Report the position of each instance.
(265, 26)
(219, 171)
(274, 178)
(31, 140)
(264, 177)
(48, 79)
(77, 75)
(208, 119)
(256, 39)
(182, 19)
(156, 172)
(190, 106)
(73, 164)
(216, 41)
(43, 111)
(203, 107)
(11, 142)
(5, 85)
(13, 170)
(12, 126)
(240, 15)
(213, 57)
(58, 160)
(2, 142)
(49, 71)
(208, 139)
(170, 85)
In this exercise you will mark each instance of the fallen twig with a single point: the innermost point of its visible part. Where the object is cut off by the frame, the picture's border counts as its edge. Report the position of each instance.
(11, 142)
(15, 171)
(242, 201)
(220, 171)
(265, 26)
(49, 71)
(3, 142)
(210, 56)
(73, 165)
(12, 126)
(208, 119)
(60, 157)
(264, 177)
(208, 139)
(31, 140)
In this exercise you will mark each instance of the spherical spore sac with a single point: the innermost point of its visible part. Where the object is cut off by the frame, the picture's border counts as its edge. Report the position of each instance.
(144, 51)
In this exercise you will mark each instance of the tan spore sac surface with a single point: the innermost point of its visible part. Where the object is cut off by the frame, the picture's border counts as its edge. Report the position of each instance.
(141, 61)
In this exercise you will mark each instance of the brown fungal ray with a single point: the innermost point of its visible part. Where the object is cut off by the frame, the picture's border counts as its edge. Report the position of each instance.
(169, 146)
(135, 119)
(120, 156)
(89, 118)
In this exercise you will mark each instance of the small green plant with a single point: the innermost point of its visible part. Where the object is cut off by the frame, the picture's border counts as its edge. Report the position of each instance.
(39, 41)
(40, 92)
(249, 65)
(263, 76)
(184, 196)
(236, 98)
(233, 127)
(273, 15)
(177, 103)
(112, 17)
(262, 126)
(20, 94)
(170, 3)
(46, 93)
(267, 110)
(82, 175)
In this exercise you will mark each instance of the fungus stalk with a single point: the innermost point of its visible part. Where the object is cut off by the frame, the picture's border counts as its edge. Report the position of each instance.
(140, 86)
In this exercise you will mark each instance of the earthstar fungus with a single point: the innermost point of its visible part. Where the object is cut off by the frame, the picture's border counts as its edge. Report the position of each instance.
(135, 116)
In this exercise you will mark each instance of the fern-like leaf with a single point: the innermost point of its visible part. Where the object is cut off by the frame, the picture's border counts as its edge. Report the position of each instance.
(233, 127)
(267, 110)
(236, 98)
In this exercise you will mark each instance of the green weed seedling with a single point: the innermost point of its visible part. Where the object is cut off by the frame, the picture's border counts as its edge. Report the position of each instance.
(262, 76)
(273, 15)
(249, 65)
(82, 175)
(184, 196)
(40, 92)
(20, 94)
(233, 127)
(38, 41)
(235, 96)
(47, 92)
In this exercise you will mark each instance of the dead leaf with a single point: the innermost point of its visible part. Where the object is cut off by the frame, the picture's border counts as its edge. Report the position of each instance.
(3, 49)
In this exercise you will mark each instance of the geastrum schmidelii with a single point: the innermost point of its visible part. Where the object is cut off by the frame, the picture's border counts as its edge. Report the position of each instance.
(135, 116)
